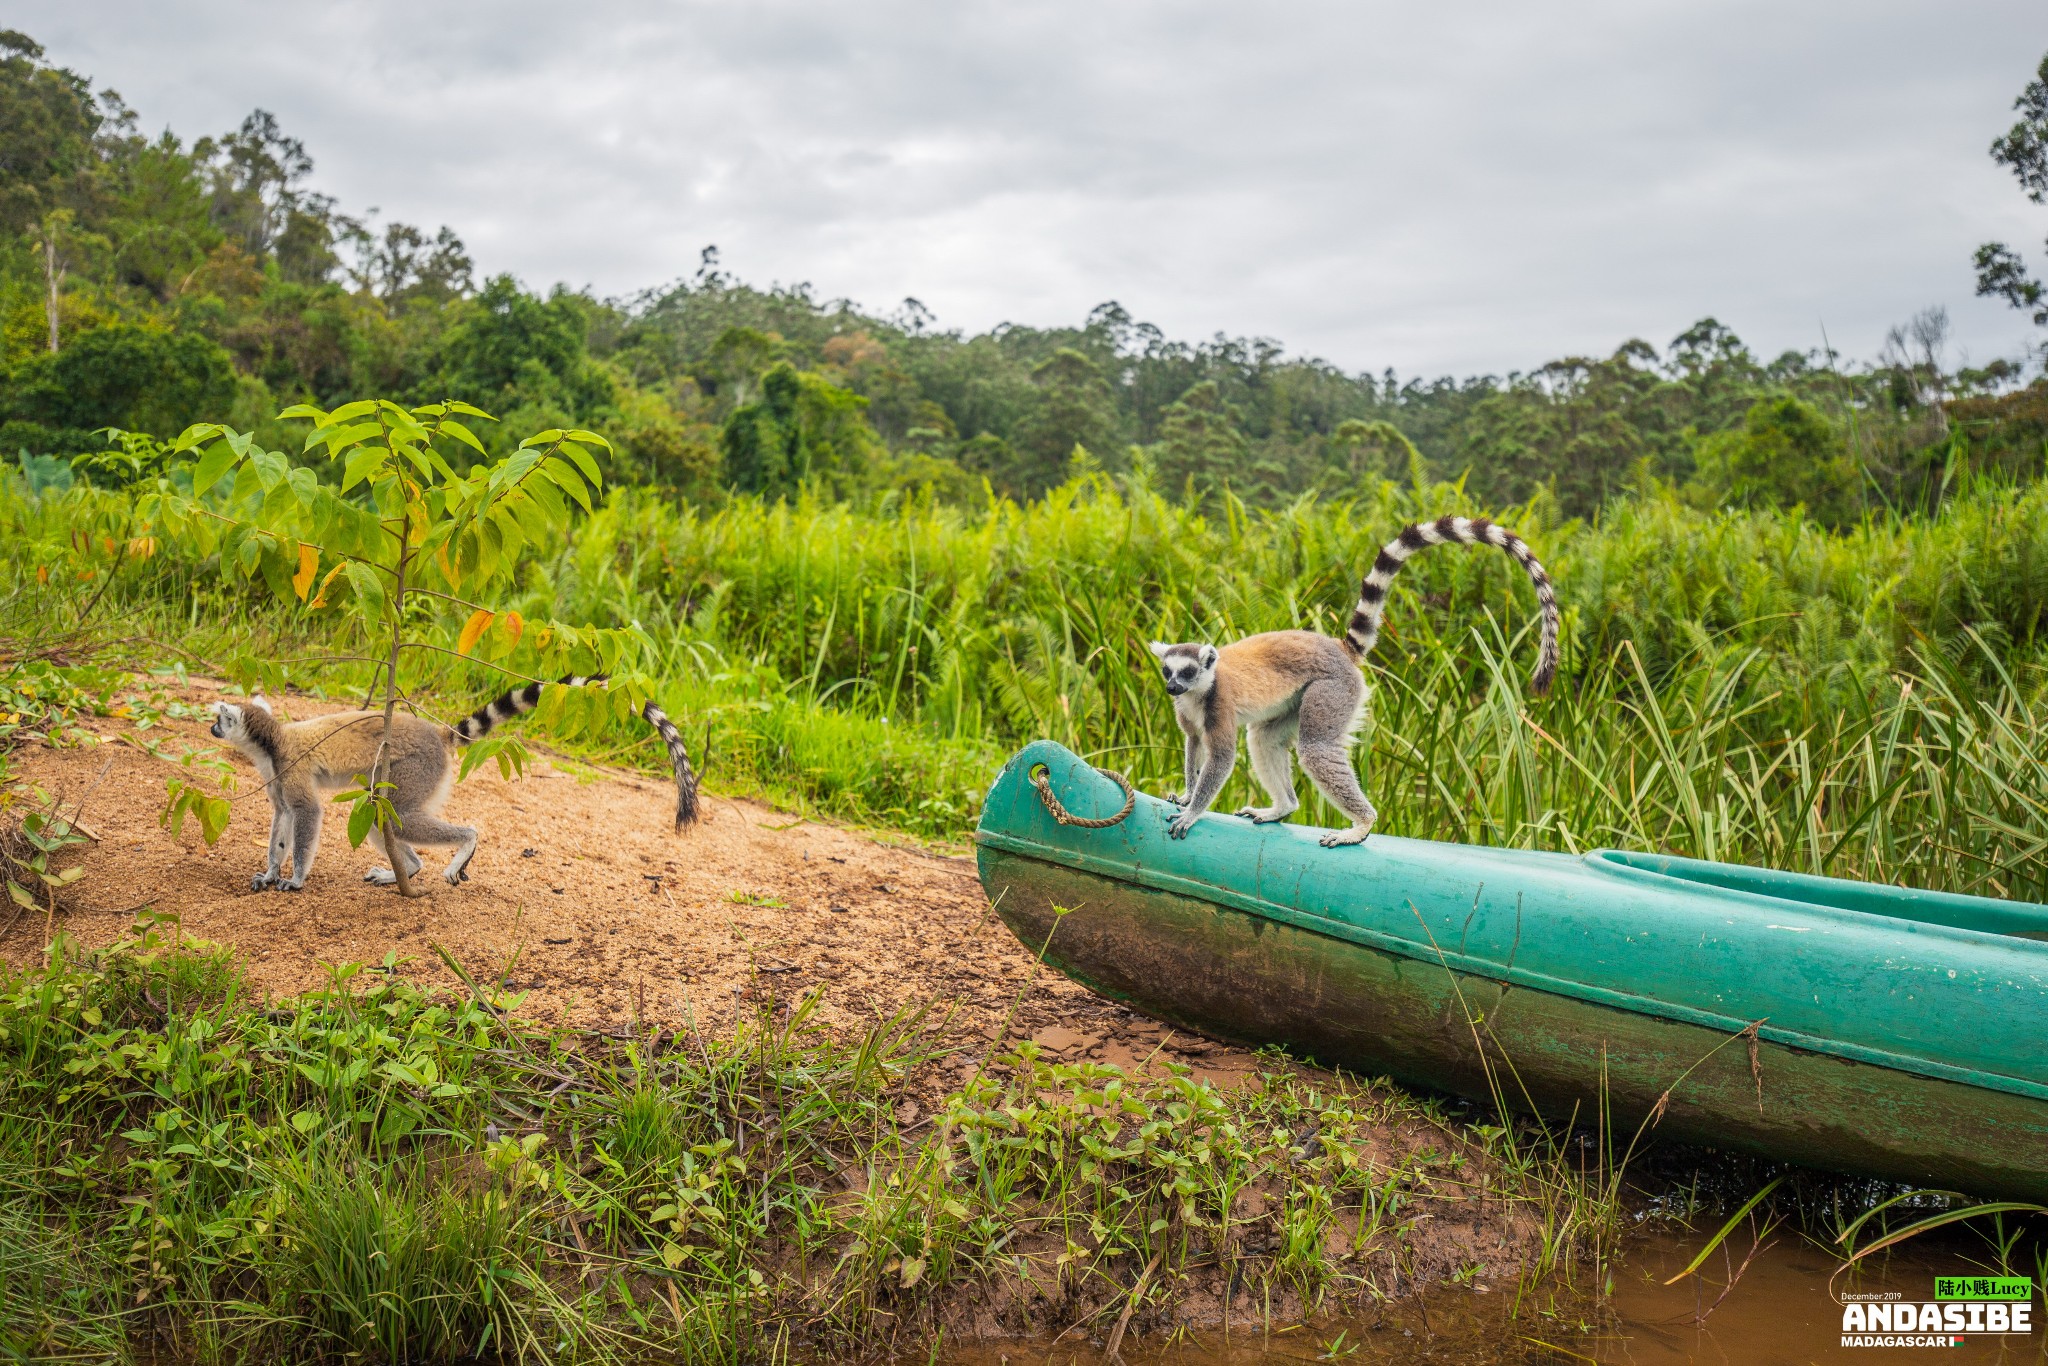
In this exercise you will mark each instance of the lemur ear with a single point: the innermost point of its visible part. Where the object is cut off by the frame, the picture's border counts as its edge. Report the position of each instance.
(257, 699)
(1208, 656)
(1158, 649)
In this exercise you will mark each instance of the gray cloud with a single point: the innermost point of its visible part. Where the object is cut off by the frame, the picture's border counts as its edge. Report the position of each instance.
(1443, 188)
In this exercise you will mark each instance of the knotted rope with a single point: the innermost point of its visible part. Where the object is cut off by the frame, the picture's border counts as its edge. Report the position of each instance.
(1042, 780)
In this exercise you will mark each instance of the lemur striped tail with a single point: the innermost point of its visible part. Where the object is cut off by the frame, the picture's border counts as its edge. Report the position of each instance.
(1364, 630)
(519, 701)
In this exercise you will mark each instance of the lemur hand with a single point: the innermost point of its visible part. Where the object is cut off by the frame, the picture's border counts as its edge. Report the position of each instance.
(1176, 798)
(1179, 826)
(263, 881)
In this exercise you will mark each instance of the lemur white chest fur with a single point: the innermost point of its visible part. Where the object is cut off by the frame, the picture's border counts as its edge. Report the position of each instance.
(1296, 693)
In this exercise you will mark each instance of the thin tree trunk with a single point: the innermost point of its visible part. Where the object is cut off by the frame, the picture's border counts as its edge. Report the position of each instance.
(383, 764)
(52, 277)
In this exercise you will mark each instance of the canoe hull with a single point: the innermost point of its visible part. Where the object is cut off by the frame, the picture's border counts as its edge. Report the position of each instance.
(1260, 981)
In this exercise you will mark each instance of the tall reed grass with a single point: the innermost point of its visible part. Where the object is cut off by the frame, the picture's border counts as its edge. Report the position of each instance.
(1740, 685)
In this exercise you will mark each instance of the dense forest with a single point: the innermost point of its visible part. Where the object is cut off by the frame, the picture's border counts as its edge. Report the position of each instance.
(147, 282)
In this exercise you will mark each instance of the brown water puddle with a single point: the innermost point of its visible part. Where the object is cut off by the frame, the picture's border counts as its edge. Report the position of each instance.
(1782, 1311)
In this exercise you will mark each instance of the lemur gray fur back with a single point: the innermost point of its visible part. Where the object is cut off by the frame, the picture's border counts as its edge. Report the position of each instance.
(519, 701)
(1364, 630)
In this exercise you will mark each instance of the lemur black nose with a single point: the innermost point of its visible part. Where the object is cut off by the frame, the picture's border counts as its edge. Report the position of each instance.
(1176, 689)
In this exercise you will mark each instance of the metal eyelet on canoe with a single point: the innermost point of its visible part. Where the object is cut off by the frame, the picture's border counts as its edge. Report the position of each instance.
(1041, 778)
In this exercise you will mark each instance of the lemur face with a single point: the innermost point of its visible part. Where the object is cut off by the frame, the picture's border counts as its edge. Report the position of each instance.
(1186, 668)
(227, 722)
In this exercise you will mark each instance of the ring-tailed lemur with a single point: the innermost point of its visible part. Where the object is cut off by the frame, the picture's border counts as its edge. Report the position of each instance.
(302, 760)
(1302, 690)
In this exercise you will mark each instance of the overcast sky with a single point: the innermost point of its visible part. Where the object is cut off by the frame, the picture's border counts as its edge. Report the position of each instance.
(1461, 188)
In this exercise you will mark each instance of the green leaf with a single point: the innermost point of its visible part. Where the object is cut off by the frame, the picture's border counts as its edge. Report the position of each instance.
(584, 462)
(546, 438)
(456, 405)
(544, 492)
(511, 536)
(336, 438)
(1727, 1229)
(363, 463)
(213, 817)
(369, 589)
(349, 412)
(213, 463)
(304, 410)
(591, 438)
(195, 435)
(360, 818)
(566, 480)
(271, 467)
(463, 434)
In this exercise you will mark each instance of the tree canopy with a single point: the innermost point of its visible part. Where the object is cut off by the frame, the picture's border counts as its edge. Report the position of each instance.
(147, 282)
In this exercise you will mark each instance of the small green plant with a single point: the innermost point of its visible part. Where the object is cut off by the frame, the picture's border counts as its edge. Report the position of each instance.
(32, 881)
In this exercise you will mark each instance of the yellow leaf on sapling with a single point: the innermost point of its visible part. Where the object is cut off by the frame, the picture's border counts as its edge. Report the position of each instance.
(309, 564)
(479, 621)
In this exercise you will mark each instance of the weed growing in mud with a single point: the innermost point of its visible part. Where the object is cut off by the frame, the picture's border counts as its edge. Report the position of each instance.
(383, 1170)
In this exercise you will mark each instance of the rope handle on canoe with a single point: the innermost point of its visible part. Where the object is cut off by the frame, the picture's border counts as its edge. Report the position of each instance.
(1041, 779)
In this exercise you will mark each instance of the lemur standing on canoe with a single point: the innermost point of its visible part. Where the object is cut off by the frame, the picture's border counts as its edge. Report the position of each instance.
(1303, 689)
(302, 760)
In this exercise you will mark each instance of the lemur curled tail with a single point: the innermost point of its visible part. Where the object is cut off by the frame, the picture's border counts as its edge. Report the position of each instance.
(1364, 631)
(519, 701)
(1303, 691)
(302, 760)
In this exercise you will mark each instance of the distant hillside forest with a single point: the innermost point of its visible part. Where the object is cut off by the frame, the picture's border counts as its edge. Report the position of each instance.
(147, 282)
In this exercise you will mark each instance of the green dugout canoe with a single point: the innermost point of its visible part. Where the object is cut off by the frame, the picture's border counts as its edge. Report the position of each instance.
(1896, 1034)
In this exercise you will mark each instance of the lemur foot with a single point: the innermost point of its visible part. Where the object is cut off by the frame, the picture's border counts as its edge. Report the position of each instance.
(263, 882)
(1355, 835)
(1176, 798)
(1180, 825)
(1263, 815)
(382, 877)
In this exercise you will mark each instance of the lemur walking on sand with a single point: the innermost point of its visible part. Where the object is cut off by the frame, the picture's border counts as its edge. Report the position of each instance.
(1303, 690)
(302, 760)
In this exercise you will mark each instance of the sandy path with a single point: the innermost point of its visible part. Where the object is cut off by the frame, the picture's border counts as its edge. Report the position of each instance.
(580, 896)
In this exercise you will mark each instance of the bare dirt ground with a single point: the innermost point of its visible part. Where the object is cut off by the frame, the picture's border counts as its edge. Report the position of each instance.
(581, 897)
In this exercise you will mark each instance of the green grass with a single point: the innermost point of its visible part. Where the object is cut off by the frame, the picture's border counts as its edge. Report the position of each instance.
(375, 1172)
(1743, 686)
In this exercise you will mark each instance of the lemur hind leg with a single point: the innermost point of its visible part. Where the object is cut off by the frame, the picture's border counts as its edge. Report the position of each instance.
(1273, 765)
(1329, 713)
(418, 827)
